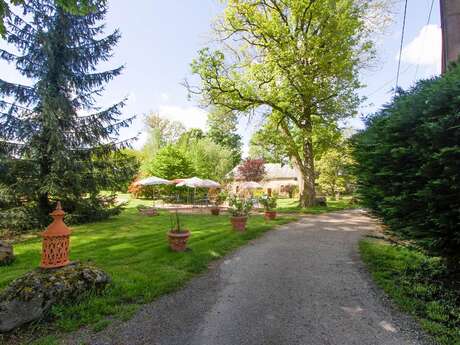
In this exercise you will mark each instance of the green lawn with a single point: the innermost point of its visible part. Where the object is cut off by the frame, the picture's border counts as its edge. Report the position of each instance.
(415, 283)
(292, 206)
(133, 249)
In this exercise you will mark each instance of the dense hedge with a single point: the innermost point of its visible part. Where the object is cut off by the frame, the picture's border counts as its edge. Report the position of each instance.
(408, 164)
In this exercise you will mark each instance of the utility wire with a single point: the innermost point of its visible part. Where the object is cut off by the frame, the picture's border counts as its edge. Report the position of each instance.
(423, 45)
(401, 46)
(388, 82)
(408, 67)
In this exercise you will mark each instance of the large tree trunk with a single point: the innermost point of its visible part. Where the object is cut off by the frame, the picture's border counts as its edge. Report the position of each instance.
(304, 160)
(307, 170)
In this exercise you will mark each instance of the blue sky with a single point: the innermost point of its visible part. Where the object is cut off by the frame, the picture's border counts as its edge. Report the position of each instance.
(160, 39)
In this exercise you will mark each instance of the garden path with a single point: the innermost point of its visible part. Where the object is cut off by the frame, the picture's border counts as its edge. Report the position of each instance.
(301, 284)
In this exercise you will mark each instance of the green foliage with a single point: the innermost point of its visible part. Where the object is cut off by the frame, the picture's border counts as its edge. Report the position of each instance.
(335, 171)
(268, 202)
(48, 340)
(420, 285)
(222, 130)
(170, 163)
(270, 143)
(239, 207)
(47, 151)
(125, 166)
(161, 132)
(190, 137)
(220, 198)
(78, 7)
(208, 159)
(293, 60)
(408, 165)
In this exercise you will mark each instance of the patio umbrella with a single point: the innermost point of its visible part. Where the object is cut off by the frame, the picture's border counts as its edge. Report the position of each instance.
(251, 185)
(193, 182)
(152, 181)
(211, 184)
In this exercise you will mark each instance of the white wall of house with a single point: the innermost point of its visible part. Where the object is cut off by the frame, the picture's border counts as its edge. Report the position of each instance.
(276, 179)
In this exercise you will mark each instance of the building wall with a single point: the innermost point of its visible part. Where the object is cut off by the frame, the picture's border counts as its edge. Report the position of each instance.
(274, 184)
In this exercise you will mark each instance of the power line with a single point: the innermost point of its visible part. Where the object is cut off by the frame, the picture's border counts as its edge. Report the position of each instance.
(423, 45)
(408, 67)
(401, 46)
(388, 82)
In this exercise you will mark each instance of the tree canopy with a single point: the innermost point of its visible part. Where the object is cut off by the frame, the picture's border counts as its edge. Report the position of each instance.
(222, 129)
(170, 163)
(161, 132)
(78, 7)
(295, 61)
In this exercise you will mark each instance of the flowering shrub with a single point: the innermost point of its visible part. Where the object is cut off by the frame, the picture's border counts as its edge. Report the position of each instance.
(268, 202)
(239, 207)
(220, 198)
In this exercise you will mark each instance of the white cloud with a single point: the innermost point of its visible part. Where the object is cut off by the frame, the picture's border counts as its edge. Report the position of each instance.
(425, 49)
(164, 96)
(191, 117)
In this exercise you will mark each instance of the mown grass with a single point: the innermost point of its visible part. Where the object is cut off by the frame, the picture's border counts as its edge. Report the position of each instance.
(418, 284)
(292, 206)
(133, 249)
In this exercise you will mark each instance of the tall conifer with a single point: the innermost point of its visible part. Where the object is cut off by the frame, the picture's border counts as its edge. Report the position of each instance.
(49, 150)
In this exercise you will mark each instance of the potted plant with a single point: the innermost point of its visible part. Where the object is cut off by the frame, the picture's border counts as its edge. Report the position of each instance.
(269, 204)
(177, 236)
(218, 201)
(239, 209)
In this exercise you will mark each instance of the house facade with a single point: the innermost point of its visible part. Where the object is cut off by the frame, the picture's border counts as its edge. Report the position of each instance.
(278, 179)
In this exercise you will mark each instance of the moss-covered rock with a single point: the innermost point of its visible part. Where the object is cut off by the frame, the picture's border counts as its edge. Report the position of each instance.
(29, 297)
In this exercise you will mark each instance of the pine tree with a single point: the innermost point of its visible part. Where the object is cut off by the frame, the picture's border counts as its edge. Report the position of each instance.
(48, 150)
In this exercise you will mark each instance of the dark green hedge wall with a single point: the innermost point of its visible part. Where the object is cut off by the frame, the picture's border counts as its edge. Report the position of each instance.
(408, 164)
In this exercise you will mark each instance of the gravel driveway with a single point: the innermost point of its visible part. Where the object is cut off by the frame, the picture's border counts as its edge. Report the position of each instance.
(300, 284)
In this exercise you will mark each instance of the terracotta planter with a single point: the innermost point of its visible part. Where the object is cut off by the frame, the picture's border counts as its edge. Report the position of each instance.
(270, 215)
(178, 240)
(215, 211)
(239, 223)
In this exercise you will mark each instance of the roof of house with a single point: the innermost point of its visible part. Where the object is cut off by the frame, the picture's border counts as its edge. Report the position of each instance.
(273, 171)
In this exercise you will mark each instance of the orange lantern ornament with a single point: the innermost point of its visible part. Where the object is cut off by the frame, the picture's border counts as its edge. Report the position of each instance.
(56, 238)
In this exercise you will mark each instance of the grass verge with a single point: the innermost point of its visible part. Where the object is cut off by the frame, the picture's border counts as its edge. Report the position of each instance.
(292, 206)
(418, 284)
(133, 249)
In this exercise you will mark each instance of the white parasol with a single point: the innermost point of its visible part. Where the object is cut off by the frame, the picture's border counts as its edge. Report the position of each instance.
(211, 184)
(251, 185)
(193, 182)
(152, 181)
